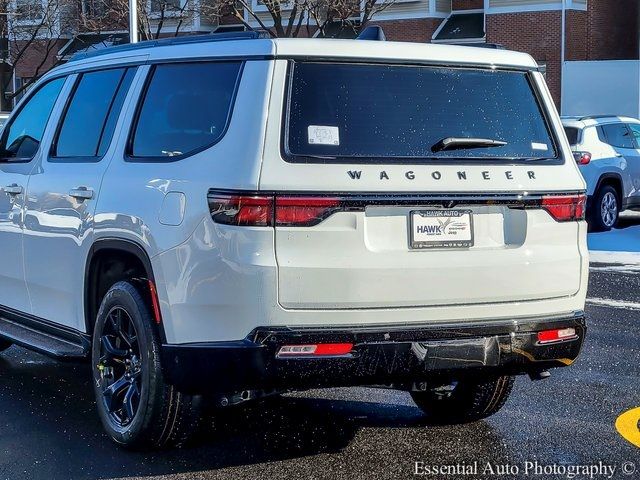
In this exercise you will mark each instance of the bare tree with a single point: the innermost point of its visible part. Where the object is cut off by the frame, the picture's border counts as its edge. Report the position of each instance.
(33, 30)
(289, 18)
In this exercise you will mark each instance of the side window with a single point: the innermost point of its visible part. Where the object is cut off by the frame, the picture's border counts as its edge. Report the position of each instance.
(635, 132)
(618, 135)
(22, 136)
(91, 114)
(186, 108)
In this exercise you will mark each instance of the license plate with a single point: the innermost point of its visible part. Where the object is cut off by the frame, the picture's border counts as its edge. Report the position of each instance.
(441, 229)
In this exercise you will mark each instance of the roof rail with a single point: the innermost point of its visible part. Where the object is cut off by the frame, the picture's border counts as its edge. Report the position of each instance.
(374, 32)
(162, 42)
(596, 117)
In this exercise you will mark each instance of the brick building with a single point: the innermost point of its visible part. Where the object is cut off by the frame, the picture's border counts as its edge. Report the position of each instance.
(593, 29)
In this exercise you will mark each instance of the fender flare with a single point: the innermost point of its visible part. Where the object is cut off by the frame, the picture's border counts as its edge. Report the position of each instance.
(118, 244)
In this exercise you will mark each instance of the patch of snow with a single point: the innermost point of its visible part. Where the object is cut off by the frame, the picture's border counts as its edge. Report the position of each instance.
(627, 259)
(607, 302)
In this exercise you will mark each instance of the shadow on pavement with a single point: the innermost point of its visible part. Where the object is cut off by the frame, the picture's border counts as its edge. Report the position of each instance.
(50, 429)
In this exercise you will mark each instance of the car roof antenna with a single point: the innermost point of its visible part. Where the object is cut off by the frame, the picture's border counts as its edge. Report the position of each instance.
(374, 32)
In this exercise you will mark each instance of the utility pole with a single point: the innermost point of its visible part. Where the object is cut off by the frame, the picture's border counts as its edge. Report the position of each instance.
(133, 21)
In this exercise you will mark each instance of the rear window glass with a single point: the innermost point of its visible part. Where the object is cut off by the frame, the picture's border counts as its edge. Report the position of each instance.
(618, 135)
(362, 112)
(185, 109)
(573, 134)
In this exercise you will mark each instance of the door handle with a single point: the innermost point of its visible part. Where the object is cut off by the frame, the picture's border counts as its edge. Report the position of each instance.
(13, 189)
(618, 155)
(81, 193)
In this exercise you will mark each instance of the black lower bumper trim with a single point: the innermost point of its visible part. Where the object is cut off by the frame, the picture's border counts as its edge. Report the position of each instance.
(381, 355)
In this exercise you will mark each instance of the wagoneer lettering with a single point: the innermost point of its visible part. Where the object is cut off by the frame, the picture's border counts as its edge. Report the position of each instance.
(226, 220)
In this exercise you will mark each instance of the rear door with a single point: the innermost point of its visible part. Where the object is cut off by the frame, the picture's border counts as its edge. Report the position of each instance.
(419, 186)
(619, 135)
(62, 195)
(634, 165)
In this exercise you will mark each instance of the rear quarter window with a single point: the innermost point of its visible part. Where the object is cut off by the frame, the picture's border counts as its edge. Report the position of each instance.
(186, 108)
(573, 135)
(340, 112)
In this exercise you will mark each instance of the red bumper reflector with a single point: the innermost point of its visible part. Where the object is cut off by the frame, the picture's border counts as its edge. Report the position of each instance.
(550, 336)
(154, 302)
(320, 349)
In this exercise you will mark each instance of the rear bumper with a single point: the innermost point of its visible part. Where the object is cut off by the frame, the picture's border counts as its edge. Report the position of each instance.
(381, 355)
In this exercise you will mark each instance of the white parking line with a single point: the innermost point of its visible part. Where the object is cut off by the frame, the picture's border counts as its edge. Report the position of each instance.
(608, 302)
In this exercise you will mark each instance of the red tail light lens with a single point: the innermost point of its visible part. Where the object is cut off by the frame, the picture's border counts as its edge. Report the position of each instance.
(582, 158)
(304, 211)
(242, 210)
(264, 210)
(565, 208)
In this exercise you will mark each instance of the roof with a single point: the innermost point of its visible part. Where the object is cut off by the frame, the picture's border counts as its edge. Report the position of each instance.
(591, 120)
(205, 46)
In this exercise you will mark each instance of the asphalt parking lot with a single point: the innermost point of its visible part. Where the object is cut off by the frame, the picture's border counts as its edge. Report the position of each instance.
(50, 430)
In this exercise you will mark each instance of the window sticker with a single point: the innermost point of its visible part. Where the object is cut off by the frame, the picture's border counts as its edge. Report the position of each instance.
(323, 135)
(539, 146)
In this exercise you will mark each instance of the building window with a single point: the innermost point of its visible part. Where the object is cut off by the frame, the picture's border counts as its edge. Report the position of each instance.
(29, 10)
(93, 8)
(158, 6)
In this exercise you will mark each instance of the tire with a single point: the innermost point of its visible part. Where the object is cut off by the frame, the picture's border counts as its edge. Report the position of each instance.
(4, 344)
(604, 210)
(137, 408)
(464, 401)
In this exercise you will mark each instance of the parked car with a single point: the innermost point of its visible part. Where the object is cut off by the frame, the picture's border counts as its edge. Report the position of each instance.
(607, 149)
(4, 116)
(224, 218)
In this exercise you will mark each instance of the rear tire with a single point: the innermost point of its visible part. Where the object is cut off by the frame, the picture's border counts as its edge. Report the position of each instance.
(464, 401)
(138, 409)
(604, 210)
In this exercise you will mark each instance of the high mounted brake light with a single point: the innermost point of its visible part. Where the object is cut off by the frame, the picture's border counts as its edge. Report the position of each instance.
(565, 208)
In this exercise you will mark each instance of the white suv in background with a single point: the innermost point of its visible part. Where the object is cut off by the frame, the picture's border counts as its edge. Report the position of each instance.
(607, 149)
(223, 218)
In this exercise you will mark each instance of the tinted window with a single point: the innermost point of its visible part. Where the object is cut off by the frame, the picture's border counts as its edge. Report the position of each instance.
(21, 138)
(618, 135)
(90, 117)
(573, 134)
(635, 132)
(385, 111)
(186, 108)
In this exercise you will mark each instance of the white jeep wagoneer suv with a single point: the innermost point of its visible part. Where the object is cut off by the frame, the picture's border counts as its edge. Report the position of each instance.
(227, 217)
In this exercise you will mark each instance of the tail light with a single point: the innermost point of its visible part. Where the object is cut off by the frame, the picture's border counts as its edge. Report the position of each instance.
(269, 210)
(304, 211)
(582, 158)
(241, 210)
(565, 208)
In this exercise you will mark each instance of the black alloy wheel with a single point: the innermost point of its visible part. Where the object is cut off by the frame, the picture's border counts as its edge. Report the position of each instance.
(120, 367)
